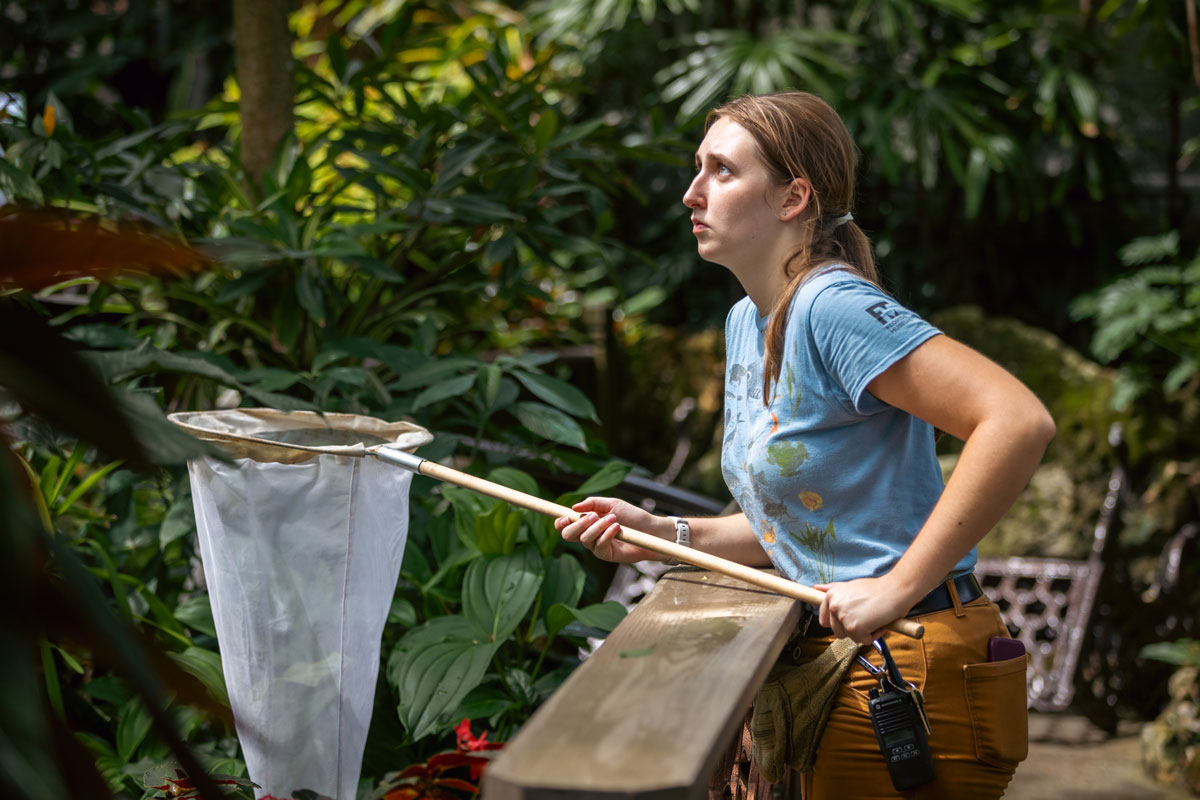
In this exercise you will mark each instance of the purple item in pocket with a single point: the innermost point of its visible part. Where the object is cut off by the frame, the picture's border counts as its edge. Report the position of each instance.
(1001, 648)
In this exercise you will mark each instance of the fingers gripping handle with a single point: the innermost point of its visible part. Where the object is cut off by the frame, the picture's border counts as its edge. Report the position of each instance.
(650, 542)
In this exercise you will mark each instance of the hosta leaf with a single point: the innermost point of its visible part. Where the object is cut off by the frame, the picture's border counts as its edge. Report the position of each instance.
(433, 668)
(564, 581)
(499, 590)
(496, 532)
(601, 616)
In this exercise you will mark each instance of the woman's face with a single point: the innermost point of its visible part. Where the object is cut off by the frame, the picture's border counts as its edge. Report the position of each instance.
(737, 208)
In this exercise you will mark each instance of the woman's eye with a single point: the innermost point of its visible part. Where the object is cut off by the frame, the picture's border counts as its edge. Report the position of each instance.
(723, 170)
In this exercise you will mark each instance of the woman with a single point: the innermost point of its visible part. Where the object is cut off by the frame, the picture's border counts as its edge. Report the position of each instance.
(833, 391)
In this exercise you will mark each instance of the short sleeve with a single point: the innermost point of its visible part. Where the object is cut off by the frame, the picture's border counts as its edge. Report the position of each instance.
(859, 331)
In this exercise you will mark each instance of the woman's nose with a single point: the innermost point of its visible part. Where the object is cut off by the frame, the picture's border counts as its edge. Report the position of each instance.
(693, 197)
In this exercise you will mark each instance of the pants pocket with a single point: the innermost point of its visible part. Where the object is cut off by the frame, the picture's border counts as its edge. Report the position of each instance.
(996, 702)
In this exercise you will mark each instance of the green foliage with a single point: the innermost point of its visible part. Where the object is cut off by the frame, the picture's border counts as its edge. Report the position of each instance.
(499, 607)
(1181, 652)
(464, 183)
(1150, 319)
(436, 195)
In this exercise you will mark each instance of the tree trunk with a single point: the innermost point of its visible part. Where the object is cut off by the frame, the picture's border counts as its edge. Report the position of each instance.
(263, 45)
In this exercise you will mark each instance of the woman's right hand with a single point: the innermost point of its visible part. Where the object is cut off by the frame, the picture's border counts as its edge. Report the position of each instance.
(600, 522)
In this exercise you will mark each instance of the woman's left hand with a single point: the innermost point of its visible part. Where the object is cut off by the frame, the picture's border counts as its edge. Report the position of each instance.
(860, 609)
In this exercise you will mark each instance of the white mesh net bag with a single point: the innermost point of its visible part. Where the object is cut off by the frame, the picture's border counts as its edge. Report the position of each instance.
(301, 552)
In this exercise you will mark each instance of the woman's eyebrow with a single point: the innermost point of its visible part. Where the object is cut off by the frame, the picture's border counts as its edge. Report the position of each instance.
(716, 155)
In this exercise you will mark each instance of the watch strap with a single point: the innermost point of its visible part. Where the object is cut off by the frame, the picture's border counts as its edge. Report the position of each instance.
(683, 536)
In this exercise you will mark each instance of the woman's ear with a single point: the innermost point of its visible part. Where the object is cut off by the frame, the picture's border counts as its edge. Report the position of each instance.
(795, 199)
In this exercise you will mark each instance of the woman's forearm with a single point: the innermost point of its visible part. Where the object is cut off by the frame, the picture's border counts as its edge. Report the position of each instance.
(729, 537)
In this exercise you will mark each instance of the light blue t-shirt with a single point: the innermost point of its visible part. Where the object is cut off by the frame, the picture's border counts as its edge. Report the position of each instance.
(835, 482)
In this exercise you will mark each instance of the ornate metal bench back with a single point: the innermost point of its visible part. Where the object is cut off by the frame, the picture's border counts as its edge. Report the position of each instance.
(1047, 602)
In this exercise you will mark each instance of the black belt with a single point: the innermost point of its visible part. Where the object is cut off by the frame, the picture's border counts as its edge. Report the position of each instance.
(937, 600)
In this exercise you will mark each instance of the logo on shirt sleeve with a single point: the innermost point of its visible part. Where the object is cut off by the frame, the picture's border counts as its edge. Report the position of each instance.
(888, 314)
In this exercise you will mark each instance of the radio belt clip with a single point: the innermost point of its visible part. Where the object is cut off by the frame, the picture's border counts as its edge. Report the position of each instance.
(895, 708)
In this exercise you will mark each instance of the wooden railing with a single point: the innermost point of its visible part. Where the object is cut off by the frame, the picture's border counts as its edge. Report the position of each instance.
(658, 709)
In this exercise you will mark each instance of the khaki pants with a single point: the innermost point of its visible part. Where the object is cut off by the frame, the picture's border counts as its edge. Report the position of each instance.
(977, 713)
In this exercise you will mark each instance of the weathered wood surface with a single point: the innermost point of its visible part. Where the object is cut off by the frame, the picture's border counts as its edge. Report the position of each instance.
(651, 712)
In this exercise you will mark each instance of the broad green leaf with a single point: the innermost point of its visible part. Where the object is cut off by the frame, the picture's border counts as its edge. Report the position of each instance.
(160, 613)
(111, 768)
(180, 519)
(601, 616)
(1184, 652)
(542, 533)
(468, 506)
(21, 185)
(206, 666)
(308, 292)
(489, 385)
(564, 581)
(558, 393)
(644, 301)
(250, 281)
(454, 387)
(101, 335)
(544, 130)
(499, 590)
(496, 531)
(163, 442)
(433, 668)
(1083, 93)
(196, 613)
(272, 379)
(514, 479)
(550, 423)
(132, 726)
(610, 475)
(402, 613)
(484, 701)
(122, 364)
(474, 209)
(415, 376)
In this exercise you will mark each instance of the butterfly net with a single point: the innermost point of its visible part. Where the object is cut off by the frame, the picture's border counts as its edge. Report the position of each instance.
(301, 551)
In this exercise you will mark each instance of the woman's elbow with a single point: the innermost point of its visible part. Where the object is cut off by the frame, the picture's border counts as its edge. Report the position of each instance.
(1040, 428)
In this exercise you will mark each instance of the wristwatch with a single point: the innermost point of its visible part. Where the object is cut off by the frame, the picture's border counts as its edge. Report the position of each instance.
(683, 536)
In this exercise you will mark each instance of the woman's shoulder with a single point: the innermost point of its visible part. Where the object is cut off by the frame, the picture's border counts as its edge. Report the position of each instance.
(835, 290)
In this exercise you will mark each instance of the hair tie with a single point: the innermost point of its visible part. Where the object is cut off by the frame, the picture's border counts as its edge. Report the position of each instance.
(843, 219)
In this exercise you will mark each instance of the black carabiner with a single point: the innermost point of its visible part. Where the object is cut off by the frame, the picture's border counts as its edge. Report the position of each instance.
(889, 663)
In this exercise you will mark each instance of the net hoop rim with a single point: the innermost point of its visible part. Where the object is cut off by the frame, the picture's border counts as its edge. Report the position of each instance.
(402, 435)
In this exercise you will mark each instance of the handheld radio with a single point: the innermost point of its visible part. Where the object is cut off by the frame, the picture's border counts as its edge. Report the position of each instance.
(897, 711)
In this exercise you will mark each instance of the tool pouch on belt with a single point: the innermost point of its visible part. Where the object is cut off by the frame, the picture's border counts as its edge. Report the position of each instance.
(792, 707)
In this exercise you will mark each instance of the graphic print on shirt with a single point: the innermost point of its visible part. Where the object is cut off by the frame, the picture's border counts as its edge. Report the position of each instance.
(788, 457)
(819, 544)
(758, 429)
